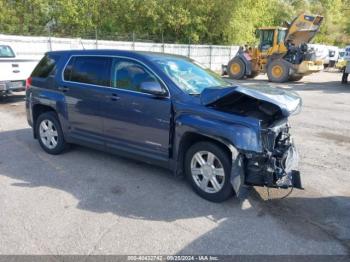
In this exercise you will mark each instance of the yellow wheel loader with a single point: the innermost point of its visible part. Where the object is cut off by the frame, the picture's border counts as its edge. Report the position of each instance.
(282, 52)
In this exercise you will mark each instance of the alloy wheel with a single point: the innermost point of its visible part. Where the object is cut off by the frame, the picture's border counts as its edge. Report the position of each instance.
(48, 134)
(207, 171)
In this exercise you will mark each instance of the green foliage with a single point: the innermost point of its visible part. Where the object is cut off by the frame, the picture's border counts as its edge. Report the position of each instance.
(180, 21)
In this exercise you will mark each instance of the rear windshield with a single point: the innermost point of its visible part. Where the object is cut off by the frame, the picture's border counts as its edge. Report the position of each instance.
(46, 66)
(6, 51)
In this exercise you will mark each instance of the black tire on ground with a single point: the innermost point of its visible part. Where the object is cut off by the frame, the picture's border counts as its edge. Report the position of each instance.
(253, 75)
(61, 144)
(344, 79)
(222, 160)
(278, 71)
(295, 77)
(236, 68)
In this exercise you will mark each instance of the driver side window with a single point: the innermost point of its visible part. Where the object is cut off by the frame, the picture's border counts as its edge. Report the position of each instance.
(129, 75)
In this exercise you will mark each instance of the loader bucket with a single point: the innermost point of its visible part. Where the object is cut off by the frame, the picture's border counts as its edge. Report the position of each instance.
(303, 28)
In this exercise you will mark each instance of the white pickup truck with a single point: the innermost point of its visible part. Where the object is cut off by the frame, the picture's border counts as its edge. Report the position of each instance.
(13, 70)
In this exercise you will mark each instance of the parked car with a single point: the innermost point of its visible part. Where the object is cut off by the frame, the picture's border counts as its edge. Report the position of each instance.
(346, 69)
(13, 70)
(341, 63)
(166, 110)
(321, 52)
(333, 54)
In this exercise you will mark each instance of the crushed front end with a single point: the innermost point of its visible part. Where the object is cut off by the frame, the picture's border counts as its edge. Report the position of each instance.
(263, 153)
(277, 165)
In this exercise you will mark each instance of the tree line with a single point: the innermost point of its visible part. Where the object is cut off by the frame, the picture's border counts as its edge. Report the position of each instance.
(181, 21)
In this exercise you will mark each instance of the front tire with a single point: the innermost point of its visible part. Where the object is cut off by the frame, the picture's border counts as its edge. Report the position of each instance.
(49, 133)
(208, 169)
(278, 71)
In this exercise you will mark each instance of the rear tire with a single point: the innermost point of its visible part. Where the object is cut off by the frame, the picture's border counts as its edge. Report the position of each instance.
(49, 133)
(236, 68)
(278, 71)
(210, 175)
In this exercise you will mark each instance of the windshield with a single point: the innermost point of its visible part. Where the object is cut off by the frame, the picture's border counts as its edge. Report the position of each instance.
(6, 51)
(189, 75)
(266, 39)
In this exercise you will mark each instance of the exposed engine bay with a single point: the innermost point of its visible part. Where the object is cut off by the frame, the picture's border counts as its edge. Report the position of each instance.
(264, 103)
(297, 54)
(247, 106)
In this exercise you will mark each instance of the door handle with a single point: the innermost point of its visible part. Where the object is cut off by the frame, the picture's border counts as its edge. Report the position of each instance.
(63, 88)
(114, 97)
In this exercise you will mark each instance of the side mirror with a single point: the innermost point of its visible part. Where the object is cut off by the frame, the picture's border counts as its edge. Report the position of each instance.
(153, 87)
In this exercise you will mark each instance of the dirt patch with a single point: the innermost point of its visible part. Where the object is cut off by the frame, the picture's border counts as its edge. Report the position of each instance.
(340, 139)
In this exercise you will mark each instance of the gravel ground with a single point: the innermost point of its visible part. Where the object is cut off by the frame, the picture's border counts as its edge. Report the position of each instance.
(90, 202)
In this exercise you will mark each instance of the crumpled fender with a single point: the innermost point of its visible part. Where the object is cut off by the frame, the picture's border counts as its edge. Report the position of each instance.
(240, 136)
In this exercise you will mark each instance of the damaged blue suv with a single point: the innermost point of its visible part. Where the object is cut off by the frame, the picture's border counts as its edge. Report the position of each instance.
(167, 110)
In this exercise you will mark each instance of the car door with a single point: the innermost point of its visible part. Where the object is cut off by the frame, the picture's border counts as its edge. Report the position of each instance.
(133, 120)
(85, 78)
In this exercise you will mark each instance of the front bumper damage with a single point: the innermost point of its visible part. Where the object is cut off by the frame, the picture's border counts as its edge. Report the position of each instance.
(275, 167)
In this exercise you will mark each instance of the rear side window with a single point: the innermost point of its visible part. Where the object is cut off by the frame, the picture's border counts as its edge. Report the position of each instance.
(46, 66)
(93, 70)
(6, 51)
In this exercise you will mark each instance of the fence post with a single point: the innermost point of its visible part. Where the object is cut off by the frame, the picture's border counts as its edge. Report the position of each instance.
(133, 40)
(50, 44)
(163, 47)
(210, 55)
(96, 41)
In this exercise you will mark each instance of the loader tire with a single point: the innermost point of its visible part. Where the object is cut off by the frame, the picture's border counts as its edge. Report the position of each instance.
(278, 71)
(236, 68)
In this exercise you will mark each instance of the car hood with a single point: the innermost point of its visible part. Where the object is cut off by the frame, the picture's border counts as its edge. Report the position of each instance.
(288, 102)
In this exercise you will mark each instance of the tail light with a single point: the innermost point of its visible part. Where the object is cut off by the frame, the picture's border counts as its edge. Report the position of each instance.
(28, 82)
